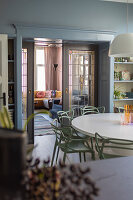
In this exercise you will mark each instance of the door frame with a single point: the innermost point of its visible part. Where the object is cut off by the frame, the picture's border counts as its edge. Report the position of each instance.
(31, 32)
(65, 66)
(30, 88)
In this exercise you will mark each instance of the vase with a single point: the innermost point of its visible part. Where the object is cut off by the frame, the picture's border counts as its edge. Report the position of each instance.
(12, 157)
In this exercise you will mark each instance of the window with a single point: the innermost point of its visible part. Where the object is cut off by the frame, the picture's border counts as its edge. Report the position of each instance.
(40, 69)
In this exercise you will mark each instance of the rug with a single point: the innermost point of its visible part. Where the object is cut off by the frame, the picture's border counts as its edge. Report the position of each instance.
(42, 126)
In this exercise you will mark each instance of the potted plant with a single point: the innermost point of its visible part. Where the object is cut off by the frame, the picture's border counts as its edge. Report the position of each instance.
(117, 94)
(12, 153)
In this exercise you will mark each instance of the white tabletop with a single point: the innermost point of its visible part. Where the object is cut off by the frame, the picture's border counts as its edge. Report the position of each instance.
(106, 124)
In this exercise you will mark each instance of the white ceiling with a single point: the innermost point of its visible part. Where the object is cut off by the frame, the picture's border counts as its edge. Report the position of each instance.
(122, 1)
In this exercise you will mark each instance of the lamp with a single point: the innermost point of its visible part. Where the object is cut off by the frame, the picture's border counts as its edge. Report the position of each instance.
(55, 66)
(122, 45)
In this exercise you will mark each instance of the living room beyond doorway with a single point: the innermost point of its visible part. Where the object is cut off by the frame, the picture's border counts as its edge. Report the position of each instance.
(47, 83)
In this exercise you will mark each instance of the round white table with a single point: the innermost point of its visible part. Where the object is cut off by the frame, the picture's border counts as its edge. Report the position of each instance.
(106, 124)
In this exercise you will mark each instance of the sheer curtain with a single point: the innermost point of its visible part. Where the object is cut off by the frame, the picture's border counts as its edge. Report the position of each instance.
(46, 77)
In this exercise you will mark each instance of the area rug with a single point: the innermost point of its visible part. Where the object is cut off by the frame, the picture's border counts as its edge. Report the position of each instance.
(42, 126)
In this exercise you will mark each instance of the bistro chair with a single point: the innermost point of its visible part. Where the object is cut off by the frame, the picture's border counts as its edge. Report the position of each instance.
(118, 109)
(89, 110)
(70, 113)
(101, 109)
(66, 123)
(111, 147)
(68, 143)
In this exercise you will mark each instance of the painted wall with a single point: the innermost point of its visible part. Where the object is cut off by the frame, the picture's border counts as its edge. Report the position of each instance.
(77, 14)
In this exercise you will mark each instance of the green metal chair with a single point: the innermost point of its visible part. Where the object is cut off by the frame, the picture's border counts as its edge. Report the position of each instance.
(101, 109)
(92, 110)
(89, 110)
(69, 113)
(112, 148)
(66, 123)
(68, 130)
(119, 109)
(68, 143)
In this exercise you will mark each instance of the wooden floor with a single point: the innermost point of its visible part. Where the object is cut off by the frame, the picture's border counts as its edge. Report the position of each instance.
(45, 146)
(44, 149)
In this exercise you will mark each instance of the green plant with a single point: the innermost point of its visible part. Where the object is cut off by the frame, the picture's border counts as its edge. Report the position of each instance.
(116, 75)
(123, 95)
(117, 93)
(5, 119)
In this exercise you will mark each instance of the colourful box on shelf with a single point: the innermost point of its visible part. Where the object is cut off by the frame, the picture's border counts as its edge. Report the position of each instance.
(125, 75)
(129, 94)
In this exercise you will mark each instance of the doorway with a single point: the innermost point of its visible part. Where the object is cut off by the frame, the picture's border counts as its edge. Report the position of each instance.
(90, 70)
(47, 83)
(80, 76)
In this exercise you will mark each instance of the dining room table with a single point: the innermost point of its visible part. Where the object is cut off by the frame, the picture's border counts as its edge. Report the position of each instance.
(108, 125)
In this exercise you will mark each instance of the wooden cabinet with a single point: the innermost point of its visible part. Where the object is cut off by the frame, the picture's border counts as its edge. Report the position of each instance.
(123, 82)
(11, 78)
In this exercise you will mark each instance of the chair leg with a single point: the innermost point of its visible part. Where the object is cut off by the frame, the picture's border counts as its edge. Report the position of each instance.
(53, 154)
(93, 156)
(84, 157)
(57, 154)
(64, 158)
(80, 157)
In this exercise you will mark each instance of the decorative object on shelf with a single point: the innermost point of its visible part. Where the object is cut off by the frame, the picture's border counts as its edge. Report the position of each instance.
(122, 59)
(122, 45)
(124, 75)
(129, 94)
(10, 94)
(116, 76)
(117, 93)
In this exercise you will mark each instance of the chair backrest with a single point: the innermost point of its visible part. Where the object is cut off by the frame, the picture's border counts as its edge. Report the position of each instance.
(101, 109)
(89, 110)
(65, 121)
(119, 109)
(111, 147)
(62, 113)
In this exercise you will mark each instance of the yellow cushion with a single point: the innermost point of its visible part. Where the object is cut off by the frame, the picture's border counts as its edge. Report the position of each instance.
(58, 93)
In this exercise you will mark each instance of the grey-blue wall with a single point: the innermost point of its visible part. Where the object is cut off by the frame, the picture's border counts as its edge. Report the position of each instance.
(64, 19)
(77, 14)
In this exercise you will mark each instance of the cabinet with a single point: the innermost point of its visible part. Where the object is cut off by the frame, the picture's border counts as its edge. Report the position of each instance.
(123, 82)
(11, 78)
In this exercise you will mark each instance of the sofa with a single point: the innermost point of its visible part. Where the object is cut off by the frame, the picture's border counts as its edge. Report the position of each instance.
(44, 99)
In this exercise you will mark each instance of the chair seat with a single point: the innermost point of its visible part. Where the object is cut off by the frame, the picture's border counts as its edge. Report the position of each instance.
(83, 135)
(74, 146)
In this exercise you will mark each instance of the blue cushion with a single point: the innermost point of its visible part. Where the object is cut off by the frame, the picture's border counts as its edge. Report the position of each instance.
(57, 106)
(55, 109)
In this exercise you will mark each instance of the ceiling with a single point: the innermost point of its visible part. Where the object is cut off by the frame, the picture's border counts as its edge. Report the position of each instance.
(122, 1)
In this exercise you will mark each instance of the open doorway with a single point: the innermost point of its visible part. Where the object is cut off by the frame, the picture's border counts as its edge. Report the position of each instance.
(47, 83)
(49, 71)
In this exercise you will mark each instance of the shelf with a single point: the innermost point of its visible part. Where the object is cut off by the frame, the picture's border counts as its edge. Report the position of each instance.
(11, 61)
(11, 109)
(130, 81)
(123, 63)
(11, 104)
(129, 99)
(10, 83)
